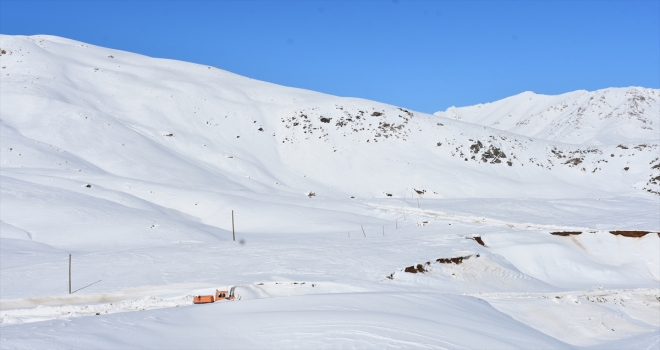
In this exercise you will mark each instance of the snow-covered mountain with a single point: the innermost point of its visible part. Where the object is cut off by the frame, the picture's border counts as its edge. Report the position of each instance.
(603, 117)
(114, 112)
(134, 164)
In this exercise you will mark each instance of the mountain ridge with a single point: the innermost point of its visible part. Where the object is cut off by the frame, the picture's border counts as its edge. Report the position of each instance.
(601, 117)
(176, 122)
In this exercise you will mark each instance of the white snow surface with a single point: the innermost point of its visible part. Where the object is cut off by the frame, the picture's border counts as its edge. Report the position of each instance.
(347, 212)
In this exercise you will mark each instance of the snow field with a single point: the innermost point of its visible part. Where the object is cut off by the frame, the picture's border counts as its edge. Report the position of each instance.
(276, 268)
(584, 318)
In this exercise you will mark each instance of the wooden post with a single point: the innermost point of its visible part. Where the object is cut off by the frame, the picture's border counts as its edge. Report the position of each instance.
(233, 234)
(363, 231)
(69, 273)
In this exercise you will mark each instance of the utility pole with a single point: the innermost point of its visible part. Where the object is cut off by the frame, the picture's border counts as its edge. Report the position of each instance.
(233, 234)
(69, 273)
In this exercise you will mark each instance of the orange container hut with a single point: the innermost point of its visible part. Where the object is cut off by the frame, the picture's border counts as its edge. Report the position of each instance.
(203, 299)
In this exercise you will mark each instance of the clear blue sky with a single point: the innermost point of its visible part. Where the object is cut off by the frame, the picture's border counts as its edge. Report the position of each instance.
(423, 55)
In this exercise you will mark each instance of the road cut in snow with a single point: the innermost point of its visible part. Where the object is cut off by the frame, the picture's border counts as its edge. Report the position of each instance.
(477, 219)
(146, 298)
(360, 320)
(42, 313)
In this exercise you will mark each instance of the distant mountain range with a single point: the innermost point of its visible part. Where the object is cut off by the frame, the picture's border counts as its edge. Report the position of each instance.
(603, 117)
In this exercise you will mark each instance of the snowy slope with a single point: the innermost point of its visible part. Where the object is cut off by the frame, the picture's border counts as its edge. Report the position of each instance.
(236, 133)
(603, 117)
(134, 164)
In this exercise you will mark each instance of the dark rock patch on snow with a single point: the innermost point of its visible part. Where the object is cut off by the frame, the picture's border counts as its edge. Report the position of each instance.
(566, 233)
(635, 234)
